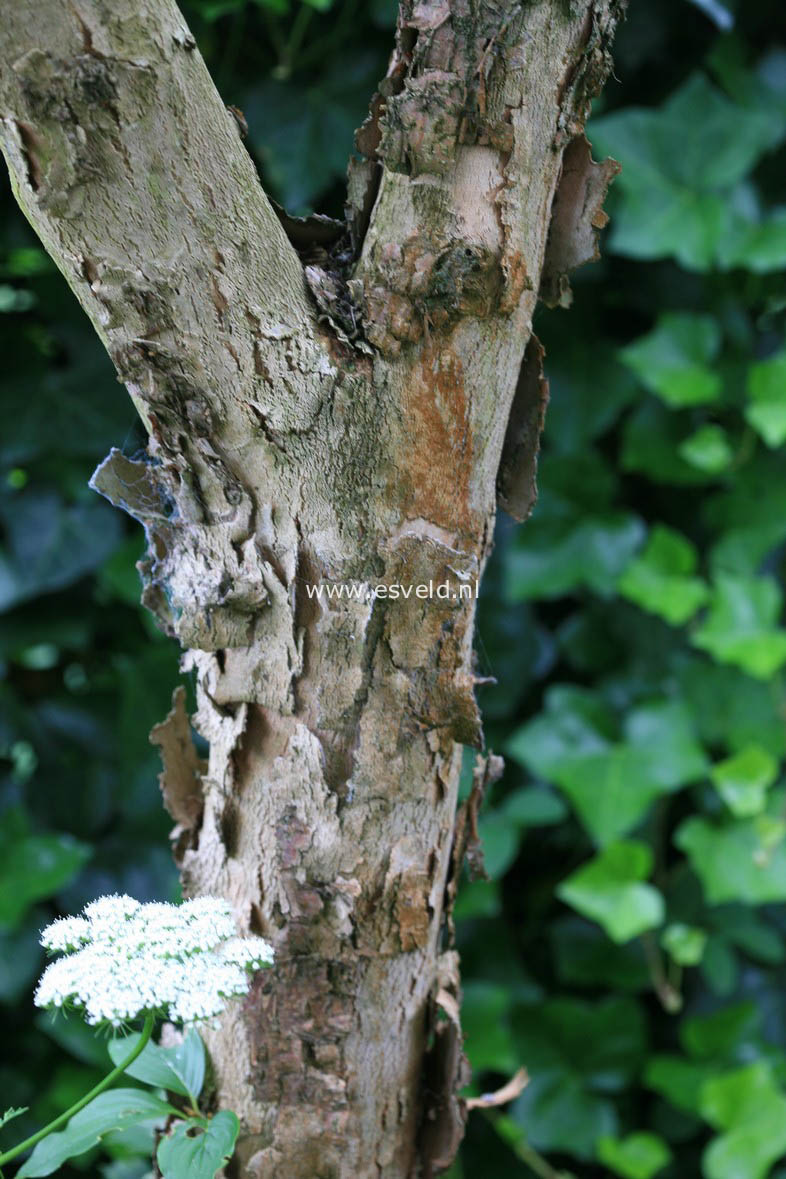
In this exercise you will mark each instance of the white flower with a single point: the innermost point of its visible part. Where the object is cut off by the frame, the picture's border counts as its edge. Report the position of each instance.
(123, 959)
(66, 934)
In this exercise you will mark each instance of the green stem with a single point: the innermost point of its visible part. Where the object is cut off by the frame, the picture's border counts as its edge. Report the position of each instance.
(147, 1032)
(320, 50)
(297, 33)
(669, 996)
(527, 1153)
(232, 46)
(537, 1163)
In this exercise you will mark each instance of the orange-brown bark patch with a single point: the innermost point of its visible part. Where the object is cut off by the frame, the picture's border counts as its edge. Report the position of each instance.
(438, 458)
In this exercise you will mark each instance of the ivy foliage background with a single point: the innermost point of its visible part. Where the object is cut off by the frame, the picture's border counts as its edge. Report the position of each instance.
(629, 946)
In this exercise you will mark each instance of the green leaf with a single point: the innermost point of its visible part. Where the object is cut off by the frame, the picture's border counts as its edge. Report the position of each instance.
(685, 944)
(560, 556)
(679, 1080)
(751, 500)
(485, 1022)
(73, 411)
(27, 262)
(673, 359)
(384, 13)
(735, 1097)
(477, 898)
(115, 1110)
(766, 411)
(611, 791)
(729, 708)
(12, 1113)
(179, 1069)
(728, 1034)
(534, 806)
(660, 579)
(20, 959)
(118, 578)
(576, 1054)
(751, 1109)
(68, 1030)
(680, 163)
(708, 449)
(611, 784)
(744, 779)
(609, 889)
(589, 387)
(33, 867)
(574, 722)
(743, 550)
(278, 6)
(756, 241)
(50, 545)
(551, 1102)
(15, 299)
(133, 1168)
(748, 932)
(576, 537)
(732, 861)
(601, 1042)
(585, 957)
(741, 625)
(771, 830)
(198, 1148)
(303, 150)
(500, 841)
(211, 10)
(720, 966)
(651, 440)
(748, 1151)
(639, 1156)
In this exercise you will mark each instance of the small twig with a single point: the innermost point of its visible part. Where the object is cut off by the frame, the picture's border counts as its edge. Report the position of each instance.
(746, 448)
(296, 35)
(669, 996)
(536, 1162)
(509, 1090)
(232, 45)
(321, 50)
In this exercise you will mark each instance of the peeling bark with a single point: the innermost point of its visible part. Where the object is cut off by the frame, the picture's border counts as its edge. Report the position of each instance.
(577, 218)
(181, 778)
(516, 481)
(320, 409)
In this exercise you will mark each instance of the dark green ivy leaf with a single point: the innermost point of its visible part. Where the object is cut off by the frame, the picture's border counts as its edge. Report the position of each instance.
(198, 1148)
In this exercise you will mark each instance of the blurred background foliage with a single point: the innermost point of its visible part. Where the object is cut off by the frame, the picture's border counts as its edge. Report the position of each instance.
(629, 945)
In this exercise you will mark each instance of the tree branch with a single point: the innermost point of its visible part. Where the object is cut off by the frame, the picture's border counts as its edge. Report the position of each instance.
(132, 172)
(130, 168)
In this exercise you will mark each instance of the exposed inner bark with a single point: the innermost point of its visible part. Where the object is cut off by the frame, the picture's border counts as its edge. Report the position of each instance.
(348, 430)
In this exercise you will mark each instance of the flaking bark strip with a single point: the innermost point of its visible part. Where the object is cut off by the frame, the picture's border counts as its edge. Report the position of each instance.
(577, 217)
(467, 846)
(181, 777)
(446, 1073)
(516, 482)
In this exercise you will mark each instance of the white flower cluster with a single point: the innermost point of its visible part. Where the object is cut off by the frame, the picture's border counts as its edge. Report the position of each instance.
(123, 959)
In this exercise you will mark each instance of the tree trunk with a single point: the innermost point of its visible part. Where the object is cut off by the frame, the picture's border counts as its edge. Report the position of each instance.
(342, 423)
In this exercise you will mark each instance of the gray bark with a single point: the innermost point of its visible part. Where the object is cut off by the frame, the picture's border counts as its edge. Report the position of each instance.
(282, 455)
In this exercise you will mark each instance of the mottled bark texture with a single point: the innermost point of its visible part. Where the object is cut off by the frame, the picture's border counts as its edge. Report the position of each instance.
(324, 403)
